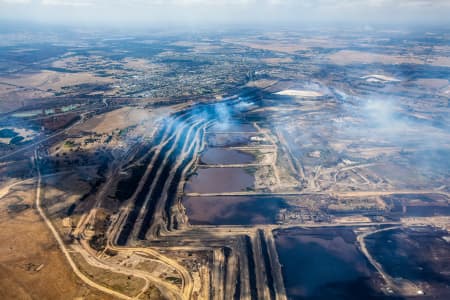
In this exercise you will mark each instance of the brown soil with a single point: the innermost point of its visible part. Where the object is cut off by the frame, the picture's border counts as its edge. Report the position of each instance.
(31, 264)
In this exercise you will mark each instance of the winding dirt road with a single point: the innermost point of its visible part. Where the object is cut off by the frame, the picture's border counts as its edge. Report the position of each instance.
(61, 244)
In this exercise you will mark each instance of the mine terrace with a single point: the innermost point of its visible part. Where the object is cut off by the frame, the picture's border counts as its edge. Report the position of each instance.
(218, 166)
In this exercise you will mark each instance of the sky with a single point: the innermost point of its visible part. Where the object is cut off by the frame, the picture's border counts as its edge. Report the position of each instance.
(231, 12)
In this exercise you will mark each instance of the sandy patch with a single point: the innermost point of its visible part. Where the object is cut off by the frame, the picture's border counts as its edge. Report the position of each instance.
(199, 47)
(14, 97)
(122, 118)
(45, 80)
(440, 61)
(72, 62)
(352, 219)
(434, 83)
(345, 57)
(277, 60)
(141, 64)
(261, 83)
(322, 42)
(275, 46)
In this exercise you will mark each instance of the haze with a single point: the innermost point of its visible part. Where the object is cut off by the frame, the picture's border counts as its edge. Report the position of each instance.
(233, 12)
(225, 149)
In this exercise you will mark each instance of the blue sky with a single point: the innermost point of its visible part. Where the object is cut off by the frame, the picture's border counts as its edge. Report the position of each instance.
(227, 11)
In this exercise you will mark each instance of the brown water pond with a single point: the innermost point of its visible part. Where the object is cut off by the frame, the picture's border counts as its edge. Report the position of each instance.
(219, 180)
(233, 210)
(223, 156)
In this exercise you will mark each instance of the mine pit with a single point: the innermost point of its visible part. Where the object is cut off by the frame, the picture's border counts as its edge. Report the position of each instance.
(416, 258)
(325, 264)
